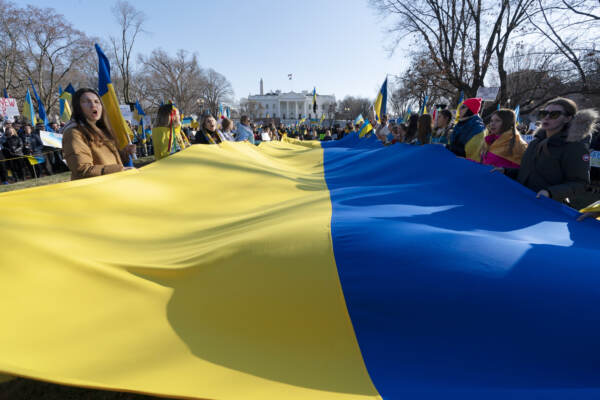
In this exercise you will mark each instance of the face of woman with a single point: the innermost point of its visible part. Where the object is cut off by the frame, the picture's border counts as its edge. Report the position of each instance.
(554, 124)
(442, 121)
(177, 118)
(211, 124)
(495, 126)
(91, 106)
(463, 111)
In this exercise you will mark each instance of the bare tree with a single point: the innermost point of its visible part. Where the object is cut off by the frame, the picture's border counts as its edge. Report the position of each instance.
(10, 51)
(350, 107)
(131, 22)
(50, 51)
(570, 31)
(217, 89)
(461, 36)
(178, 78)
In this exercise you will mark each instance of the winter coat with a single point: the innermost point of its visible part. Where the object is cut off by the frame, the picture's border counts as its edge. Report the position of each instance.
(559, 164)
(467, 137)
(13, 146)
(32, 143)
(87, 158)
(497, 151)
(204, 136)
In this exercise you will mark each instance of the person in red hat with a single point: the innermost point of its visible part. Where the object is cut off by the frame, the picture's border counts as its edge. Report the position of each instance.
(469, 133)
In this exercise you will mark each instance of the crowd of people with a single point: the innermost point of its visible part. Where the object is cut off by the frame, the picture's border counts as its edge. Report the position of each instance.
(554, 164)
(23, 155)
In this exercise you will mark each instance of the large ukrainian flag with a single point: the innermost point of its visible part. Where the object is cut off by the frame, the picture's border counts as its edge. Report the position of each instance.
(343, 270)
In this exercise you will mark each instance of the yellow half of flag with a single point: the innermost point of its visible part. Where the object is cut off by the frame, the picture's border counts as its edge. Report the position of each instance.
(206, 302)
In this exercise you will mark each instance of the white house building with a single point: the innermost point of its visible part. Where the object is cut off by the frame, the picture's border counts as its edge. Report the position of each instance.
(287, 106)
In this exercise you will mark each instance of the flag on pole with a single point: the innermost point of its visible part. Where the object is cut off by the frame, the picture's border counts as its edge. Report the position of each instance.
(381, 101)
(41, 110)
(460, 102)
(111, 104)
(65, 108)
(518, 112)
(28, 111)
(314, 100)
(423, 109)
(359, 119)
(138, 115)
(290, 77)
(5, 93)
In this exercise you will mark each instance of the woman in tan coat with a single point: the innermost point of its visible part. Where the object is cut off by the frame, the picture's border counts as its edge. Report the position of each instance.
(88, 142)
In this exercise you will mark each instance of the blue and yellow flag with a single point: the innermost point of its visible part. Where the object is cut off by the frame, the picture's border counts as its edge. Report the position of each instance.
(381, 101)
(109, 99)
(138, 115)
(65, 108)
(384, 292)
(460, 102)
(365, 128)
(314, 107)
(41, 109)
(5, 93)
(423, 109)
(28, 111)
(359, 119)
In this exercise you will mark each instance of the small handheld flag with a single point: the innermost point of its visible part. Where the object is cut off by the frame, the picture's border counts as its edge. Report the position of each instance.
(359, 119)
(365, 128)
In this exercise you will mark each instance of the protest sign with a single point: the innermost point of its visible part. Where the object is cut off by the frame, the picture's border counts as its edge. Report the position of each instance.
(51, 139)
(488, 93)
(8, 108)
(127, 113)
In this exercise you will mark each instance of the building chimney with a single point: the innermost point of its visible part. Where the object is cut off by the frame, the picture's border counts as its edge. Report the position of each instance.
(261, 87)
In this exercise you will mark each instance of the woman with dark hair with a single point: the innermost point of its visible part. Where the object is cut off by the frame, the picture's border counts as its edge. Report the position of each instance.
(208, 133)
(443, 127)
(226, 129)
(411, 132)
(14, 151)
(399, 132)
(556, 163)
(424, 129)
(503, 146)
(167, 138)
(467, 137)
(89, 145)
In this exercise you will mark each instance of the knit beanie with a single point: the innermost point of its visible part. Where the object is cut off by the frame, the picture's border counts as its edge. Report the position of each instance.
(473, 104)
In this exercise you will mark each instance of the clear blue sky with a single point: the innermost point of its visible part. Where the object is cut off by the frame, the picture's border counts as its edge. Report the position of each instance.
(336, 45)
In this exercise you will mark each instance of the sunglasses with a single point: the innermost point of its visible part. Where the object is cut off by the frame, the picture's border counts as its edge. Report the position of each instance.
(551, 114)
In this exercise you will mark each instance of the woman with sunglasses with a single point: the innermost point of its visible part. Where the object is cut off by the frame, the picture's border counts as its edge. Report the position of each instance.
(556, 163)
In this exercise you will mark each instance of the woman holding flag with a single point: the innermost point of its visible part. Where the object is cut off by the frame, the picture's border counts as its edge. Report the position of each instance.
(89, 144)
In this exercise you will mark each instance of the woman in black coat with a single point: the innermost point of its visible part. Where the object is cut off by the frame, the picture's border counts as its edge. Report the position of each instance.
(556, 163)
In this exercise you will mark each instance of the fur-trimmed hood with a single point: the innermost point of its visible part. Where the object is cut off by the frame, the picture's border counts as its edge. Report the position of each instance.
(581, 127)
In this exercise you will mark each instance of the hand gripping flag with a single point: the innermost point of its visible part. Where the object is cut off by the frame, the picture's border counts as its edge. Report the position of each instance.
(109, 99)
(381, 101)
